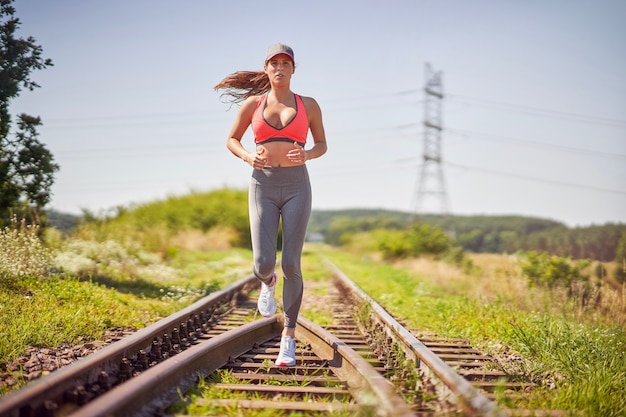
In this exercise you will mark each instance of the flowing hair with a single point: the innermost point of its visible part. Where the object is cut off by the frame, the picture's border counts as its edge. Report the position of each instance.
(240, 85)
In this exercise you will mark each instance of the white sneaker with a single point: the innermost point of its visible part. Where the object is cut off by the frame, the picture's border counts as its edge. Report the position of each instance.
(267, 302)
(287, 354)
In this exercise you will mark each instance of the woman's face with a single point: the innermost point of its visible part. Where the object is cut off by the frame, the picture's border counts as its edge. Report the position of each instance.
(279, 68)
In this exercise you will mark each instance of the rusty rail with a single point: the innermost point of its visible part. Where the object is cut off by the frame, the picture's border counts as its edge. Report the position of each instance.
(470, 398)
(158, 386)
(44, 395)
(372, 391)
(214, 340)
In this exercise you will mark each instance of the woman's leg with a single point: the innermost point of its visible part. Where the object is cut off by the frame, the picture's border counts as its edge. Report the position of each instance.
(264, 219)
(295, 211)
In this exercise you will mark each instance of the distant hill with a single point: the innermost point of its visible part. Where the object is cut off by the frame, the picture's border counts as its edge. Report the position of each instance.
(62, 221)
(491, 234)
(321, 219)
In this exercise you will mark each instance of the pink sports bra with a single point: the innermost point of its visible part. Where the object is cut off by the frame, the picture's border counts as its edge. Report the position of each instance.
(295, 130)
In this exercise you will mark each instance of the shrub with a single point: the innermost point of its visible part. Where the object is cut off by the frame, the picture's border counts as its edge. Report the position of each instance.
(84, 258)
(552, 271)
(22, 252)
(420, 239)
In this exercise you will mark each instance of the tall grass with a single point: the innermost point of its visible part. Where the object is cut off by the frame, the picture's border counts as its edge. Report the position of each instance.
(587, 364)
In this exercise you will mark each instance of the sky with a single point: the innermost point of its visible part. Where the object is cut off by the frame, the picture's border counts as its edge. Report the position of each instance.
(533, 113)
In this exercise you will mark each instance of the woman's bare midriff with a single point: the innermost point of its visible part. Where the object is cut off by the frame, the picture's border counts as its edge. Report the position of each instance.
(277, 154)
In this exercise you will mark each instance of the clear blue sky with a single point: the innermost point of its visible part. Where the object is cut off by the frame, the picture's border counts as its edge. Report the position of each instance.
(534, 113)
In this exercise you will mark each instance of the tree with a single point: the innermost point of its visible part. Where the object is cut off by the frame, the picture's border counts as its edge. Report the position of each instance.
(26, 167)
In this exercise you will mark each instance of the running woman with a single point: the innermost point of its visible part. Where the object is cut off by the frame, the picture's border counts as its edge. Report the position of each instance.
(280, 186)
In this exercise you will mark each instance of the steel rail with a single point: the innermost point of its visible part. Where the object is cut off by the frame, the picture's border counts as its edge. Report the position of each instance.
(372, 391)
(158, 386)
(469, 398)
(35, 397)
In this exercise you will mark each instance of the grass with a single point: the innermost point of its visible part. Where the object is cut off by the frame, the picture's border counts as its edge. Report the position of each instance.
(56, 310)
(94, 286)
(191, 402)
(577, 354)
(579, 362)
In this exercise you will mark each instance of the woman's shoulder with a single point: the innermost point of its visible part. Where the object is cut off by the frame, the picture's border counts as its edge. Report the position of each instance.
(306, 99)
(253, 100)
(310, 104)
(251, 103)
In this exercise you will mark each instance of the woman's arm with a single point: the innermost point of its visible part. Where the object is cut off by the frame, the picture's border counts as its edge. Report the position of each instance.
(316, 125)
(243, 120)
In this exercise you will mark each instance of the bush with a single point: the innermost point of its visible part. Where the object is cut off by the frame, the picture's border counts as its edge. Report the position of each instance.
(420, 239)
(22, 252)
(553, 271)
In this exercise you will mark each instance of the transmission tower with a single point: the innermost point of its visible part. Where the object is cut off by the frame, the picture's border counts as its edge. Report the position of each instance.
(431, 190)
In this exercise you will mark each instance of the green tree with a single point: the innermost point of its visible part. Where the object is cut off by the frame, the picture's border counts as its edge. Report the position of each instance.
(26, 166)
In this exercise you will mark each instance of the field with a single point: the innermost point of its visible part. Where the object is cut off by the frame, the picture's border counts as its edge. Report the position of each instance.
(81, 285)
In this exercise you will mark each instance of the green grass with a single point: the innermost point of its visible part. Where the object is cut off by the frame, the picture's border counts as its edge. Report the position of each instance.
(107, 286)
(155, 259)
(55, 310)
(579, 367)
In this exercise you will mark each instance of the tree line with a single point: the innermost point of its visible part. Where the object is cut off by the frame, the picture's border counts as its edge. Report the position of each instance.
(483, 234)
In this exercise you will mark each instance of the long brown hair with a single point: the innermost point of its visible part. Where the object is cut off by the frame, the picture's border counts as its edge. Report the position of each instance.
(240, 85)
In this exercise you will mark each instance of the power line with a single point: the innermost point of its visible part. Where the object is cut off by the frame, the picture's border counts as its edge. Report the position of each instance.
(141, 151)
(536, 179)
(526, 142)
(393, 94)
(365, 102)
(557, 114)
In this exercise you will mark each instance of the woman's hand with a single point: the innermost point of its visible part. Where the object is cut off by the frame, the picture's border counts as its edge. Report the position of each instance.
(297, 155)
(258, 159)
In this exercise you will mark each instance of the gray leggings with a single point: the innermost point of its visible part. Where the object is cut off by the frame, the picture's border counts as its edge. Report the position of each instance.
(275, 193)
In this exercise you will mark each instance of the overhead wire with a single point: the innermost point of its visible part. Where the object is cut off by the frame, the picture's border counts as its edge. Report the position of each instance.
(536, 179)
(557, 114)
(369, 100)
(544, 145)
(202, 117)
(124, 152)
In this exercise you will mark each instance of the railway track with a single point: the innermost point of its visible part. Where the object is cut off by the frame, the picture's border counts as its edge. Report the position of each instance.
(221, 354)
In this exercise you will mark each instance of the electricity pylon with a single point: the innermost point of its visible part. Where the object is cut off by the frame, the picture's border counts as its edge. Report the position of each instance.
(431, 189)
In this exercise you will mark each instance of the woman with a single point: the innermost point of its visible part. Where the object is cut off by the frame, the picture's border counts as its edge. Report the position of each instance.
(279, 187)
